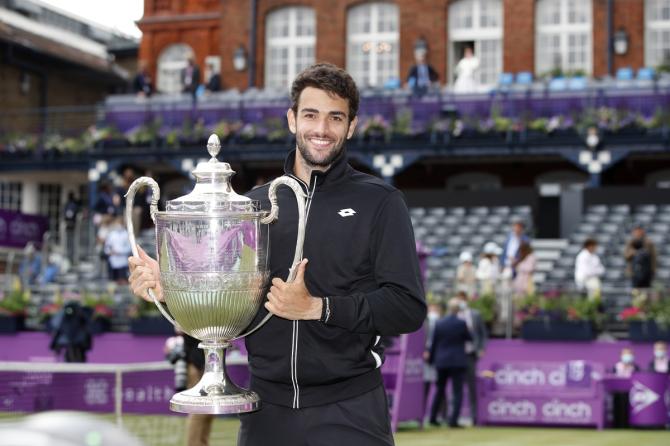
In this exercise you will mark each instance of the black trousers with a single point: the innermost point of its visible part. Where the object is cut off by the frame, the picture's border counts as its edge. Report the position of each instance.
(471, 381)
(360, 421)
(443, 375)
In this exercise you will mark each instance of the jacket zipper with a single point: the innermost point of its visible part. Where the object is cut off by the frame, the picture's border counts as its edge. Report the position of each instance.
(296, 325)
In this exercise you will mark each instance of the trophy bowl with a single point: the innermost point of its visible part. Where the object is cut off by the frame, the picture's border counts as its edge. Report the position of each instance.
(212, 248)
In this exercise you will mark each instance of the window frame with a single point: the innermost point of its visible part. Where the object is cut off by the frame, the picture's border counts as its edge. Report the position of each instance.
(654, 26)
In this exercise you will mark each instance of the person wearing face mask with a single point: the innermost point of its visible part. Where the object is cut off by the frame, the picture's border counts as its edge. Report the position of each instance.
(474, 349)
(624, 368)
(435, 313)
(660, 363)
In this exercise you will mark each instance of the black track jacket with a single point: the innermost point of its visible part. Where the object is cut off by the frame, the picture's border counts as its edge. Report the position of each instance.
(362, 255)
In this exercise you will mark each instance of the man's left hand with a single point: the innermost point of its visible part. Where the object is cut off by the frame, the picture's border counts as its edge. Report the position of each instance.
(292, 301)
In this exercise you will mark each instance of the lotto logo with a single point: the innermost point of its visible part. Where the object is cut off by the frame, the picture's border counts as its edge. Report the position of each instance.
(346, 212)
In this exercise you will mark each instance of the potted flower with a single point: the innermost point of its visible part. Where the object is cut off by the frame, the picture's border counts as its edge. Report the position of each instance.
(558, 317)
(13, 305)
(101, 310)
(375, 129)
(146, 319)
(648, 318)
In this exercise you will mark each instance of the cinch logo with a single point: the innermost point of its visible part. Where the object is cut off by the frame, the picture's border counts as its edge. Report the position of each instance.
(23, 230)
(642, 397)
(559, 410)
(346, 212)
(510, 376)
(502, 408)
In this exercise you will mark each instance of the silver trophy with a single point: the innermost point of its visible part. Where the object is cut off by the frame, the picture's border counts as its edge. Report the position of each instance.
(212, 248)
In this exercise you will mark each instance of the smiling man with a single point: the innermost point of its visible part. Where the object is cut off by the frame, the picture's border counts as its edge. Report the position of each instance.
(316, 366)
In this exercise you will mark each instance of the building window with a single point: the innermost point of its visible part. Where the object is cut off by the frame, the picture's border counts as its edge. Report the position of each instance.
(171, 62)
(289, 44)
(50, 205)
(657, 33)
(10, 196)
(372, 43)
(563, 37)
(477, 24)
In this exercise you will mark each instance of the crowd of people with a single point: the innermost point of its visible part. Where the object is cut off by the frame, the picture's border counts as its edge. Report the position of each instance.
(190, 77)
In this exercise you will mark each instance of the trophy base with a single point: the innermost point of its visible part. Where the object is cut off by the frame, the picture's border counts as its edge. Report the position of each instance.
(215, 393)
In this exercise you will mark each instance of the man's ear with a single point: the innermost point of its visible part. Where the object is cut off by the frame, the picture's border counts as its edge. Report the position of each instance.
(290, 117)
(352, 127)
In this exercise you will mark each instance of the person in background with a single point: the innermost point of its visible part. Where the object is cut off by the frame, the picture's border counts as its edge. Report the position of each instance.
(589, 269)
(660, 363)
(624, 368)
(466, 275)
(512, 245)
(421, 76)
(488, 269)
(447, 354)
(31, 265)
(474, 349)
(70, 212)
(524, 265)
(117, 248)
(640, 255)
(190, 77)
(435, 313)
(142, 85)
(465, 72)
(214, 81)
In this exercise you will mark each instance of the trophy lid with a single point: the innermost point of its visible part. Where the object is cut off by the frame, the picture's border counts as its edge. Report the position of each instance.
(213, 191)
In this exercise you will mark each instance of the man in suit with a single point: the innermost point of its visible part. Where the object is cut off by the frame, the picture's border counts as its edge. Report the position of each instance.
(511, 250)
(190, 77)
(447, 353)
(474, 349)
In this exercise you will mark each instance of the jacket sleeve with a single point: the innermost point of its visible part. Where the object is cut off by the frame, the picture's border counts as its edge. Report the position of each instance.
(397, 306)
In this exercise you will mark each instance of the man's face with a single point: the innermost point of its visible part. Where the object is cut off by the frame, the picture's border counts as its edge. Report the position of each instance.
(321, 126)
(517, 228)
(638, 233)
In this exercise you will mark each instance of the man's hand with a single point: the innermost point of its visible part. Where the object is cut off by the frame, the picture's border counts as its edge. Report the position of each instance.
(144, 274)
(292, 301)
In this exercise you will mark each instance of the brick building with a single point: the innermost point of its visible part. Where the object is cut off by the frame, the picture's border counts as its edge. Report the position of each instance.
(273, 39)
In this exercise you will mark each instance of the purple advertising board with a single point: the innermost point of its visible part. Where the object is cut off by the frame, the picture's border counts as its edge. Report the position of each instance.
(17, 229)
(648, 398)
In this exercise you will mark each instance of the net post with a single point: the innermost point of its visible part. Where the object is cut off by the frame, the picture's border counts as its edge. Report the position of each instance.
(118, 397)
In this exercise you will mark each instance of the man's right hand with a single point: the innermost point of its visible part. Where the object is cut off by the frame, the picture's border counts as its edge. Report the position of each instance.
(144, 274)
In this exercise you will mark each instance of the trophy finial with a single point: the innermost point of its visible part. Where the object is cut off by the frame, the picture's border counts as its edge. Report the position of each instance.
(213, 146)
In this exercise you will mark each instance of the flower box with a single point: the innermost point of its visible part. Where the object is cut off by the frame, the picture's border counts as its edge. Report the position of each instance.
(557, 330)
(151, 325)
(11, 324)
(648, 331)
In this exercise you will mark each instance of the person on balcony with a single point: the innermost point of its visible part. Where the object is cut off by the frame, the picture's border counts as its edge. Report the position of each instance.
(190, 77)
(142, 85)
(589, 269)
(466, 70)
(640, 255)
(514, 240)
(421, 76)
(524, 266)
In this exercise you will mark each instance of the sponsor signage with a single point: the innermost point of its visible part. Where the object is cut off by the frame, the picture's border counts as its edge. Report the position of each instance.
(17, 229)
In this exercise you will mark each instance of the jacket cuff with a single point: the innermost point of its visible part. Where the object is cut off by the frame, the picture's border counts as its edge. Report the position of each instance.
(342, 311)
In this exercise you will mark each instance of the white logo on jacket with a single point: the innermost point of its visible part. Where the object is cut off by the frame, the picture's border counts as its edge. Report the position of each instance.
(346, 212)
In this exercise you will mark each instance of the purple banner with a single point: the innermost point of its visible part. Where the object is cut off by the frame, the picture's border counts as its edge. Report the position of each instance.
(647, 398)
(539, 409)
(543, 376)
(17, 229)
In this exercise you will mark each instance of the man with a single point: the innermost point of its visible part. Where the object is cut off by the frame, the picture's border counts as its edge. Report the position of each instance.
(660, 363)
(474, 349)
(513, 243)
(447, 353)
(640, 255)
(421, 75)
(316, 366)
(589, 269)
(190, 77)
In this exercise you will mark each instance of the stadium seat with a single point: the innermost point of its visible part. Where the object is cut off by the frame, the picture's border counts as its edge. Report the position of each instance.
(558, 84)
(624, 74)
(577, 83)
(646, 74)
(505, 79)
(524, 78)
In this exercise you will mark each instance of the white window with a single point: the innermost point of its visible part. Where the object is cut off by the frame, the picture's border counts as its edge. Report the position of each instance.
(372, 43)
(50, 203)
(477, 24)
(10, 196)
(657, 33)
(171, 62)
(563, 36)
(289, 44)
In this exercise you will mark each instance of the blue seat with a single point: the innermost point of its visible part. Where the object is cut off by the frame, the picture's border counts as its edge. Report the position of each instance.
(392, 83)
(624, 74)
(506, 79)
(646, 74)
(577, 83)
(558, 84)
(524, 78)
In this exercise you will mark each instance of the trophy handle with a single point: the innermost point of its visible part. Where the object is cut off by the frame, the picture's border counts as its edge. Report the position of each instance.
(272, 216)
(153, 208)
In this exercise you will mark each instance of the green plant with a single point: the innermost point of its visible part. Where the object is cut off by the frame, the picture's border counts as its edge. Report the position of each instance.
(145, 133)
(143, 308)
(558, 307)
(277, 129)
(101, 304)
(402, 124)
(14, 302)
(648, 306)
(486, 305)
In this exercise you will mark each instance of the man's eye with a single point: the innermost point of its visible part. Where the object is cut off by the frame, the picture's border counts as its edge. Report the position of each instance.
(337, 118)
(309, 115)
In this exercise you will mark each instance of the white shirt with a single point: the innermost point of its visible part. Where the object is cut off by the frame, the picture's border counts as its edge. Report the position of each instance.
(117, 247)
(587, 266)
(465, 75)
(488, 269)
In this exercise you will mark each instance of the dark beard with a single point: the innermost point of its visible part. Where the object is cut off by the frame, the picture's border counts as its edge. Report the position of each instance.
(326, 162)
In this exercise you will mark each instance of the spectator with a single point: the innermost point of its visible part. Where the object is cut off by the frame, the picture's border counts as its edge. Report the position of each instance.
(435, 313)
(447, 354)
(474, 349)
(524, 265)
(71, 332)
(31, 265)
(640, 255)
(626, 365)
(661, 362)
(624, 368)
(488, 269)
(214, 81)
(70, 212)
(513, 243)
(117, 248)
(465, 72)
(421, 76)
(106, 203)
(589, 269)
(142, 85)
(190, 77)
(466, 277)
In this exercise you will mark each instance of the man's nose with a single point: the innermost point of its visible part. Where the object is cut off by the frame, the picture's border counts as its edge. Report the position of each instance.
(322, 125)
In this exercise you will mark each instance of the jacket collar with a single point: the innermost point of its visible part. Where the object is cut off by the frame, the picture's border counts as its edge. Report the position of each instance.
(336, 171)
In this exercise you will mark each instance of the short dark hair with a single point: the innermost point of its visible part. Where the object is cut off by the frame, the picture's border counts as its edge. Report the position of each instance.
(590, 242)
(327, 77)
